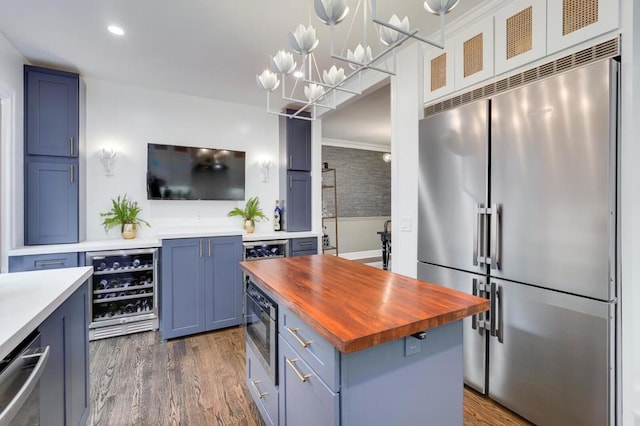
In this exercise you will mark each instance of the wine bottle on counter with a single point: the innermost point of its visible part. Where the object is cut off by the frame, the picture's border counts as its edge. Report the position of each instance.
(277, 217)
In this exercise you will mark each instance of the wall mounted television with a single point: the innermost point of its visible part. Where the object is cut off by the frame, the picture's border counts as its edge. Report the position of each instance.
(191, 173)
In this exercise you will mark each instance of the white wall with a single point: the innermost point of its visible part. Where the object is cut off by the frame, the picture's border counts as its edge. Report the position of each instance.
(127, 118)
(406, 111)
(356, 234)
(11, 136)
(630, 214)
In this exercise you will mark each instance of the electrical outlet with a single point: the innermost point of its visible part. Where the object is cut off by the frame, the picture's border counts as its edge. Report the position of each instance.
(412, 346)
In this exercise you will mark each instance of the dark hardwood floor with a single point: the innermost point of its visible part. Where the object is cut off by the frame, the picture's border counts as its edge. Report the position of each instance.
(197, 380)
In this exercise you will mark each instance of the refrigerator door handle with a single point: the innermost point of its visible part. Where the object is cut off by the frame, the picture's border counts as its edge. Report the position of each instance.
(479, 235)
(497, 324)
(496, 230)
(474, 318)
(480, 321)
(476, 241)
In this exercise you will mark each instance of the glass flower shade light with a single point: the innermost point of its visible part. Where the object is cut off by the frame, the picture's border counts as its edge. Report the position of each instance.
(331, 12)
(389, 36)
(303, 40)
(334, 76)
(283, 62)
(268, 81)
(308, 87)
(360, 55)
(440, 7)
(313, 92)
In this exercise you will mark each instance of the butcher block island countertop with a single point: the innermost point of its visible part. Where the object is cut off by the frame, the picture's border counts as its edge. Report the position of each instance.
(355, 306)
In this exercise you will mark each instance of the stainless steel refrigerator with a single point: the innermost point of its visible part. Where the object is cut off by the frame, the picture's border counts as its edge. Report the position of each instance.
(517, 203)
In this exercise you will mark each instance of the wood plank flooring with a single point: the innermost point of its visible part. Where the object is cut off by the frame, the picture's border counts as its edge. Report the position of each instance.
(198, 380)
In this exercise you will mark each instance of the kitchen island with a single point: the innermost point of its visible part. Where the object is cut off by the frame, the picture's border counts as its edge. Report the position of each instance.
(54, 303)
(359, 345)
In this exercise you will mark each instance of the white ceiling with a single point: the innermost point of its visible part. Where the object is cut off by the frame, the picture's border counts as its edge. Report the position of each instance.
(208, 48)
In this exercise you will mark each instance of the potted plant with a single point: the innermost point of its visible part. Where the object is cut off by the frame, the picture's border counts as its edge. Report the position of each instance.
(124, 212)
(251, 213)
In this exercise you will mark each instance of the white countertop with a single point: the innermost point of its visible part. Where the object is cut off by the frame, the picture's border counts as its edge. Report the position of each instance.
(28, 298)
(154, 241)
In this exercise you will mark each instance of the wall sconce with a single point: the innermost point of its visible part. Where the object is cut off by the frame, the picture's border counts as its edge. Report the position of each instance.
(386, 157)
(107, 156)
(265, 165)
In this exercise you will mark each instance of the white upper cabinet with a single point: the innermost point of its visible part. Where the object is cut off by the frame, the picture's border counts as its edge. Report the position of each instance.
(521, 34)
(474, 54)
(570, 22)
(439, 71)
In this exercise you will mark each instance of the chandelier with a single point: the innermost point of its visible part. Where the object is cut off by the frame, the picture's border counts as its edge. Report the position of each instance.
(308, 88)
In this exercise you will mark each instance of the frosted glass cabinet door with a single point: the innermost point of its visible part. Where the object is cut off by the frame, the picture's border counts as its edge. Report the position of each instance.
(51, 202)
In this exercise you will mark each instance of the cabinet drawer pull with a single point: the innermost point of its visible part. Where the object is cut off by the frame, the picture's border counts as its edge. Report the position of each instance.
(302, 377)
(72, 173)
(290, 161)
(290, 182)
(71, 143)
(46, 263)
(305, 244)
(294, 332)
(200, 248)
(255, 386)
(209, 245)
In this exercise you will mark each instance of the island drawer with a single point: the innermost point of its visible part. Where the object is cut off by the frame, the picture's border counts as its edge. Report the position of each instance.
(262, 390)
(321, 355)
(307, 400)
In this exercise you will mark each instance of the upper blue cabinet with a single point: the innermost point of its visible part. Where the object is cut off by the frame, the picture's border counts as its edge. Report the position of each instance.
(51, 112)
(298, 144)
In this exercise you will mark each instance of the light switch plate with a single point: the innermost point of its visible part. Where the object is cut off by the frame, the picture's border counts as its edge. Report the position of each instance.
(406, 224)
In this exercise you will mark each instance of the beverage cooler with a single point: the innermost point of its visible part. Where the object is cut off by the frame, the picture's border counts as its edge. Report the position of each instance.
(124, 292)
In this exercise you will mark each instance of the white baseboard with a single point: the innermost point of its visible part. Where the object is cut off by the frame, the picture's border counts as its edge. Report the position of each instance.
(355, 255)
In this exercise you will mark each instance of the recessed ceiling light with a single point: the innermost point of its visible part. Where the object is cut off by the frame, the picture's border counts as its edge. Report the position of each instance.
(113, 29)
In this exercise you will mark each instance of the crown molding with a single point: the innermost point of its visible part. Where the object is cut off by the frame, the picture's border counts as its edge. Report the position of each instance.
(356, 145)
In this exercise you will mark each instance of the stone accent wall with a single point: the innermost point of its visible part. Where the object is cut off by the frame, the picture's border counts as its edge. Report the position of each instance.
(363, 179)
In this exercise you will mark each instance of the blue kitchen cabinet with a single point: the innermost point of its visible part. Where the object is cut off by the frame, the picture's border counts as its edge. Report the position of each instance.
(201, 285)
(182, 296)
(224, 297)
(298, 144)
(51, 129)
(303, 246)
(51, 112)
(37, 262)
(297, 207)
(64, 384)
(295, 173)
(51, 201)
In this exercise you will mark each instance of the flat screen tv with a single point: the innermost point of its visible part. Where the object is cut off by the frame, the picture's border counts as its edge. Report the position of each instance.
(190, 173)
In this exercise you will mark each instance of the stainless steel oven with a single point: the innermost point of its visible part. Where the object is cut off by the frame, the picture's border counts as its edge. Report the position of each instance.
(256, 250)
(20, 383)
(261, 327)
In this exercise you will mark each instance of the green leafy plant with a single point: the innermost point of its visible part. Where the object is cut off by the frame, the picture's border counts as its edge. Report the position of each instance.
(123, 211)
(251, 211)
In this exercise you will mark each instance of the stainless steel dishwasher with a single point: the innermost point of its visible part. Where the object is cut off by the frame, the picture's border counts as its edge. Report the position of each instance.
(20, 383)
